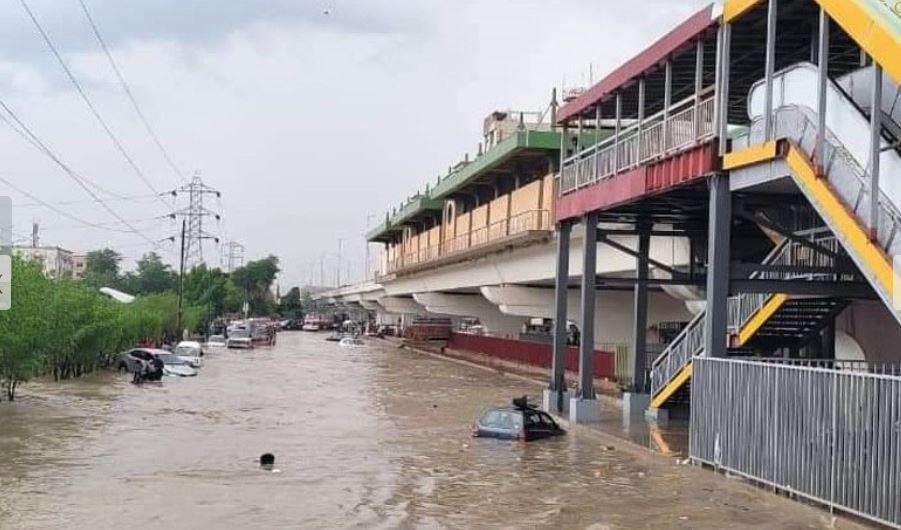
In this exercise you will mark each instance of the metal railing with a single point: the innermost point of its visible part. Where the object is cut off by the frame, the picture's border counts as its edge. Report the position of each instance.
(690, 342)
(531, 220)
(830, 435)
(685, 126)
(849, 179)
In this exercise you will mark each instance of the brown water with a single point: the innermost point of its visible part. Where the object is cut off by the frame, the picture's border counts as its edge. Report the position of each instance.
(376, 437)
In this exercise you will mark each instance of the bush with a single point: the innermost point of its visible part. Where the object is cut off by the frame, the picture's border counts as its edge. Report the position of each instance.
(66, 328)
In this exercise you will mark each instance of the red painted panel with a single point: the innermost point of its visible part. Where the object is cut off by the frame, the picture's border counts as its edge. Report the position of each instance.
(608, 192)
(529, 353)
(652, 56)
(688, 165)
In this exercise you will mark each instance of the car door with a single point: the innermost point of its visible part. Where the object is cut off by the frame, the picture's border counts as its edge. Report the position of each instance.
(538, 425)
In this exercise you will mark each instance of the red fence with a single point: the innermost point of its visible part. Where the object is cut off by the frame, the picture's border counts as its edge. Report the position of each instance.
(530, 353)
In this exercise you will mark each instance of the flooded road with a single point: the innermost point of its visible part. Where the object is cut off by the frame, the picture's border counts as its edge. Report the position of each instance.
(376, 437)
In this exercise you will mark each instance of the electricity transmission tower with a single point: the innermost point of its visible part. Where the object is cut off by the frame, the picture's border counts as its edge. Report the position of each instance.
(193, 214)
(232, 256)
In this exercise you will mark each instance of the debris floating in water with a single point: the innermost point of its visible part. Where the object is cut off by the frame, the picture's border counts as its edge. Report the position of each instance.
(267, 461)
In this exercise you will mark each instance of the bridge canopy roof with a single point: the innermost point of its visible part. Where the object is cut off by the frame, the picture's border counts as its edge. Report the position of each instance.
(652, 58)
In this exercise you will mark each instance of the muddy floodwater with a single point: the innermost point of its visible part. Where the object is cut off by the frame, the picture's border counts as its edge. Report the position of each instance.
(375, 437)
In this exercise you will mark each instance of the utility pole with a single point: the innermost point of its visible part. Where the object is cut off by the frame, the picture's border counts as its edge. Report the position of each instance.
(181, 280)
(338, 277)
(194, 213)
(34, 234)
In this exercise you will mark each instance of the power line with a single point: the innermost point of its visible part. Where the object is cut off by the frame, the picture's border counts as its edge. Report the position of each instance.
(87, 100)
(69, 171)
(39, 147)
(57, 210)
(130, 198)
(129, 93)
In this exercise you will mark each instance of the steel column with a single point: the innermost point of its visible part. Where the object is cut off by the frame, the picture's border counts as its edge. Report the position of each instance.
(597, 141)
(718, 241)
(616, 130)
(718, 72)
(723, 88)
(589, 283)
(667, 100)
(772, 12)
(822, 85)
(699, 85)
(875, 149)
(641, 97)
(561, 284)
(640, 320)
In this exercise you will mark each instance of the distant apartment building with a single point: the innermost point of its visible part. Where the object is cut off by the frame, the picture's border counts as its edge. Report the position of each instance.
(57, 262)
(79, 265)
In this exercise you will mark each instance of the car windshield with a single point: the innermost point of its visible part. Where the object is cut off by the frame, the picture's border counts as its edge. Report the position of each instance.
(169, 358)
(239, 334)
(191, 351)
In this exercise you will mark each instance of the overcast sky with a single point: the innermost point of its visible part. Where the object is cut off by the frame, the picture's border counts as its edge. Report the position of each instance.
(310, 124)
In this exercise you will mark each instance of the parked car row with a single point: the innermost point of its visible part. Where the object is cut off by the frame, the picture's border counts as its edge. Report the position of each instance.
(151, 364)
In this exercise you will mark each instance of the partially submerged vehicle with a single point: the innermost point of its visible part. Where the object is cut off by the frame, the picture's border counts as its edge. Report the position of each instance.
(174, 366)
(239, 337)
(144, 363)
(520, 421)
(191, 352)
(216, 341)
(351, 342)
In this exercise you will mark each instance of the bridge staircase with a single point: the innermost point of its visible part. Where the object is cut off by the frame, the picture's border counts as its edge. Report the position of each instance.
(757, 322)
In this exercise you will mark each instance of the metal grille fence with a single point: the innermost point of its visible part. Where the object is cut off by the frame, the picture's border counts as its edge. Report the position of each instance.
(829, 434)
(686, 124)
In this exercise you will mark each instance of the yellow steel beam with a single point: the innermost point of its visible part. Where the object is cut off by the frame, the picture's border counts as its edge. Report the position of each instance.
(671, 388)
(869, 32)
(872, 34)
(734, 9)
(750, 155)
(773, 304)
(853, 233)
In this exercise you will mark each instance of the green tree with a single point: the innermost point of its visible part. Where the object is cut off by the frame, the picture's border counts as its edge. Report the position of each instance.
(291, 305)
(255, 280)
(151, 276)
(102, 267)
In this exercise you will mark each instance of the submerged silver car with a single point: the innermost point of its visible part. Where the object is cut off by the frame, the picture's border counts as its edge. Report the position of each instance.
(173, 365)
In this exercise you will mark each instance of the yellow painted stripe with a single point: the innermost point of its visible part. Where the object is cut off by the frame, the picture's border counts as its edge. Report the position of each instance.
(842, 220)
(751, 155)
(773, 304)
(870, 33)
(733, 9)
(671, 388)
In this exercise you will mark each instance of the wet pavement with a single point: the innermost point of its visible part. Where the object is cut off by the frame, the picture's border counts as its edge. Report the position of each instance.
(376, 437)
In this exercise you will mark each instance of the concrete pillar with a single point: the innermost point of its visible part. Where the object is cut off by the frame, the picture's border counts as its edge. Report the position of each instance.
(556, 399)
(473, 306)
(584, 408)
(718, 241)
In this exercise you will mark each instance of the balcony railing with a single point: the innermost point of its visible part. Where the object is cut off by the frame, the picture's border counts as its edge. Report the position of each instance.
(657, 136)
(528, 221)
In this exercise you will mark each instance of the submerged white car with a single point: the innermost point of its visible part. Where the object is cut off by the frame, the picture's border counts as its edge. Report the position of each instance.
(352, 342)
(174, 366)
(239, 338)
(190, 352)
